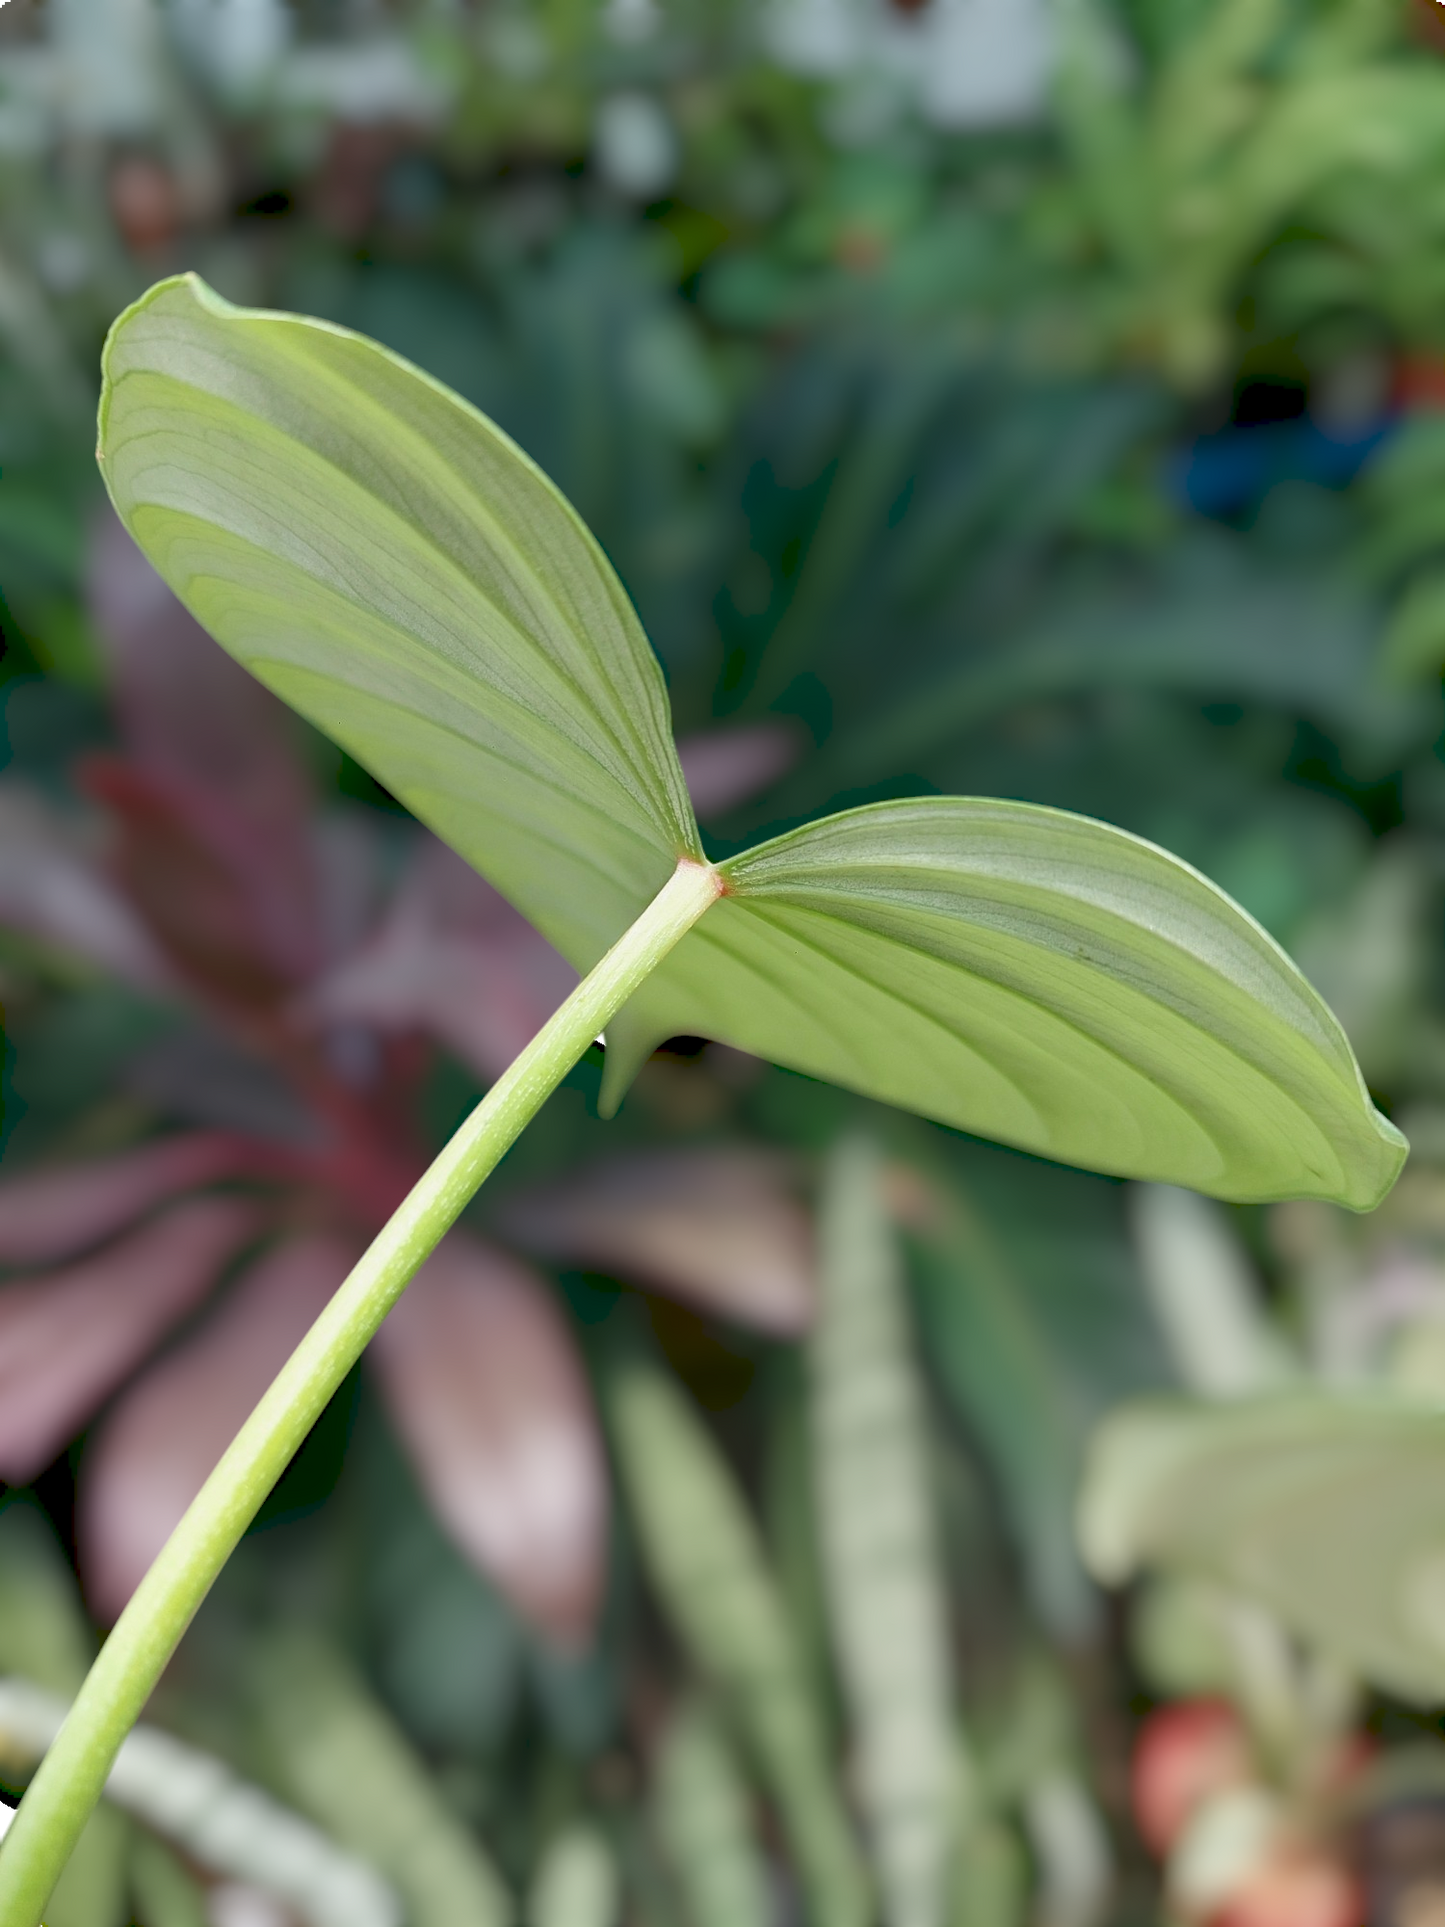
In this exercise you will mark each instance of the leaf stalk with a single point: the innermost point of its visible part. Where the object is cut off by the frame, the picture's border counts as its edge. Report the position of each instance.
(72, 1775)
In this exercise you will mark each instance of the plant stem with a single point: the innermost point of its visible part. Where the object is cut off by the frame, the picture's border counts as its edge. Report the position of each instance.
(72, 1774)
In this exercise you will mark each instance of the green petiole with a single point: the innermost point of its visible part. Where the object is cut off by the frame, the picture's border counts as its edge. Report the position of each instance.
(73, 1773)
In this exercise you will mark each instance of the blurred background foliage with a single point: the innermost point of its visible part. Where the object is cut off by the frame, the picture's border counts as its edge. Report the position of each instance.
(1030, 397)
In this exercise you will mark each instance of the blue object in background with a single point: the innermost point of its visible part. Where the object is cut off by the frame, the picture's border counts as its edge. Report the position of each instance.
(1235, 468)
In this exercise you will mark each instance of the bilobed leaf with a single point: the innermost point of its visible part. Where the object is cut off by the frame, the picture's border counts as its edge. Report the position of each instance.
(382, 557)
(1330, 1510)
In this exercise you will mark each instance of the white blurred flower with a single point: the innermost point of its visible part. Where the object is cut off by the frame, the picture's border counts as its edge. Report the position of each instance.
(63, 262)
(634, 146)
(821, 38)
(965, 63)
(236, 43)
(631, 21)
(25, 75)
(371, 81)
(108, 65)
(237, 1906)
(987, 63)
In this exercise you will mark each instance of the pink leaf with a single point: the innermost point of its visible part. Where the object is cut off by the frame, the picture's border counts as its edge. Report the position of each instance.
(455, 960)
(59, 1210)
(717, 1227)
(724, 767)
(51, 889)
(486, 1391)
(155, 1449)
(219, 897)
(213, 738)
(68, 1338)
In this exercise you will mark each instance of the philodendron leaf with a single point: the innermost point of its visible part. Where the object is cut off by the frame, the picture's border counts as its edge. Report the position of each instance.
(386, 560)
(1037, 977)
(381, 556)
(1328, 1508)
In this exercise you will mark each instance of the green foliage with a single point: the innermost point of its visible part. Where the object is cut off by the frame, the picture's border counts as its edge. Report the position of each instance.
(884, 435)
(165, 1894)
(576, 1883)
(704, 1823)
(882, 1565)
(44, 1634)
(335, 1751)
(1257, 111)
(417, 588)
(704, 1558)
(1020, 974)
(1327, 1509)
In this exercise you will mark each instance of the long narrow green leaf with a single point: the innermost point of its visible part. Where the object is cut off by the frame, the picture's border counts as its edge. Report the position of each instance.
(1207, 1304)
(700, 1806)
(995, 1359)
(1328, 1509)
(990, 1878)
(337, 1753)
(886, 1592)
(576, 1884)
(704, 1557)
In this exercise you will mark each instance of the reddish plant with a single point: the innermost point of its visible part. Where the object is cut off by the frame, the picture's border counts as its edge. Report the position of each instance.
(312, 1003)
(1185, 1753)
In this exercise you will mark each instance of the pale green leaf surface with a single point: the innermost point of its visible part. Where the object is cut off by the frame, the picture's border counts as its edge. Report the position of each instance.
(703, 1816)
(1330, 1510)
(576, 1882)
(389, 563)
(1032, 976)
(886, 1592)
(336, 1752)
(703, 1554)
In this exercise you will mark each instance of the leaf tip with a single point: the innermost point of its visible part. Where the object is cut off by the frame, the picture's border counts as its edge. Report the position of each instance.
(1392, 1148)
